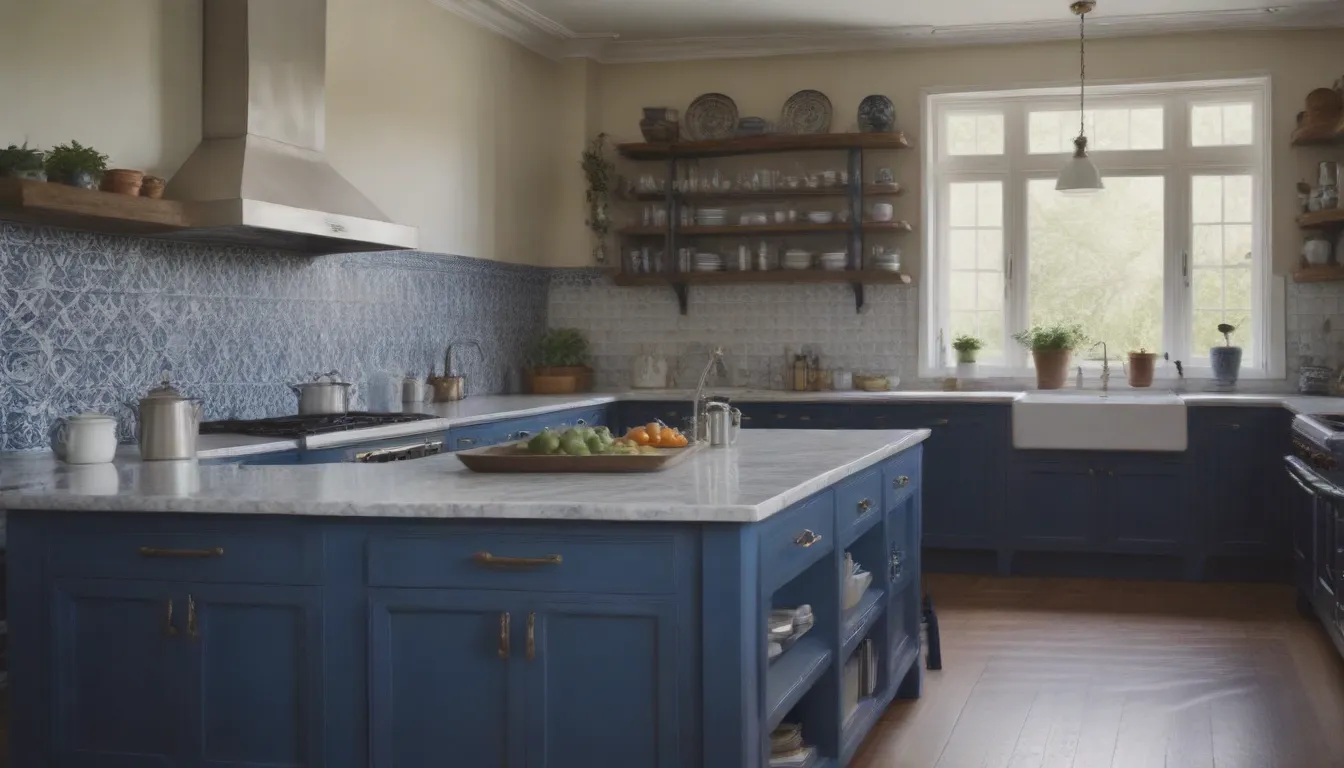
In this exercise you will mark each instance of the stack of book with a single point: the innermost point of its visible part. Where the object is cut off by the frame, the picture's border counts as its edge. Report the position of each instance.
(787, 749)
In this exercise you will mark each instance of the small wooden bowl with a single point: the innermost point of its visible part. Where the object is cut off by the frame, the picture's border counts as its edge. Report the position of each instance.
(554, 385)
(123, 181)
(152, 187)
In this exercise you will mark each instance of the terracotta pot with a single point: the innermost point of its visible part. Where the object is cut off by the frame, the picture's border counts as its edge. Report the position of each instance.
(1052, 367)
(583, 375)
(553, 385)
(123, 181)
(152, 187)
(1141, 367)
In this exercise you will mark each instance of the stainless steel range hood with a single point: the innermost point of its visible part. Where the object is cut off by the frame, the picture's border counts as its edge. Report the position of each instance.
(259, 176)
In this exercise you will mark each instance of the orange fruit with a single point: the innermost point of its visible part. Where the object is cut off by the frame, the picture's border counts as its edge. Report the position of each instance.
(682, 441)
(668, 438)
(639, 435)
(654, 429)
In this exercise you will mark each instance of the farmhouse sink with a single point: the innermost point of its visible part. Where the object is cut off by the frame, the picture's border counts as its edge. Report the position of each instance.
(1090, 421)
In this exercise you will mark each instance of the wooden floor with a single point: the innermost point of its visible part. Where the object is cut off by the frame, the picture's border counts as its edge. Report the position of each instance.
(1067, 673)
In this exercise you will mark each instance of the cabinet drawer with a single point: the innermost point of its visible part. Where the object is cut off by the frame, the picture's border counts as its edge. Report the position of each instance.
(527, 561)
(790, 543)
(144, 548)
(900, 476)
(858, 503)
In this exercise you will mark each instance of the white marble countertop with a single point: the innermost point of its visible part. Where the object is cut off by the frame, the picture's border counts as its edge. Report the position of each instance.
(763, 474)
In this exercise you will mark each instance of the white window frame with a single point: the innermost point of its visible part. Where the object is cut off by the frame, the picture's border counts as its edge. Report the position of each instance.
(1178, 162)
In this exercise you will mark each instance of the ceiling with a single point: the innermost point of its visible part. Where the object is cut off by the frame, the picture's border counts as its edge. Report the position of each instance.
(655, 30)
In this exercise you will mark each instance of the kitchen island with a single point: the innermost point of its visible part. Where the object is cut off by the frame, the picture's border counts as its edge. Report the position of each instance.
(415, 614)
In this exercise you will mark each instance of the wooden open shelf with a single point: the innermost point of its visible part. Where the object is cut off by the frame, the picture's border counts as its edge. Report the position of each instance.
(753, 145)
(1322, 219)
(1326, 274)
(58, 205)
(796, 228)
(682, 281)
(869, 190)
(1318, 137)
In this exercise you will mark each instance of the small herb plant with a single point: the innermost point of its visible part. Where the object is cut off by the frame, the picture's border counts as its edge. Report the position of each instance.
(1052, 337)
(560, 348)
(1226, 330)
(16, 158)
(967, 343)
(64, 161)
(598, 169)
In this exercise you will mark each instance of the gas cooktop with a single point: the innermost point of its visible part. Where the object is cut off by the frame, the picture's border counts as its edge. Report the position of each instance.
(305, 426)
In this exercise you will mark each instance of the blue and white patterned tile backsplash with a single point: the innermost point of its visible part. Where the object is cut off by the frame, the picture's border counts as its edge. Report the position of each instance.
(88, 322)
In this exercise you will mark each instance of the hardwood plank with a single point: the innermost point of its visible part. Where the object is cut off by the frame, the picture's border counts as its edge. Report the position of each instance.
(1070, 673)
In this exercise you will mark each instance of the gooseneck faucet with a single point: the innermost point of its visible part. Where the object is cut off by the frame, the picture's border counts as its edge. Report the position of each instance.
(699, 424)
(1105, 367)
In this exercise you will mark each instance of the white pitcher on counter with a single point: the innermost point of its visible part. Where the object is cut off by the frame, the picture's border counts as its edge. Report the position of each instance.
(86, 438)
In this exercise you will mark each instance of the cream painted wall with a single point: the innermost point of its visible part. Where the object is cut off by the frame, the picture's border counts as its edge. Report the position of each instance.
(1297, 62)
(444, 125)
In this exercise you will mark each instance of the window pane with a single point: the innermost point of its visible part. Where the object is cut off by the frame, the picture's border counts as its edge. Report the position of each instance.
(1107, 129)
(1215, 125)
(975, 134)
(975, 280)
(961, 201)
(1098, 260)
(1221, 282)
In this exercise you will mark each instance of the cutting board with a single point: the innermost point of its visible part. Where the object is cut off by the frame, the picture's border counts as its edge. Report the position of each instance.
(510, 458)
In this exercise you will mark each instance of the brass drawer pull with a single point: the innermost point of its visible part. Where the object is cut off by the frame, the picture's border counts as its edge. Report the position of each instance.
(461, 441)
(938, 423)
(865, 505)
(168, 628)
(504, 635)
(807, 538)
(900, 482)
(196, 554)
(191, 618)
(485, 558)
(531, 636)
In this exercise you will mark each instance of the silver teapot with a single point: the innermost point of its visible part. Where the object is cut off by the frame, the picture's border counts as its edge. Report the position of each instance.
(169, 424)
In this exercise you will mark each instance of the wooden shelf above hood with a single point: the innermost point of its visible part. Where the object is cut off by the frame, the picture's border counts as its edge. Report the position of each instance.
(58, 205)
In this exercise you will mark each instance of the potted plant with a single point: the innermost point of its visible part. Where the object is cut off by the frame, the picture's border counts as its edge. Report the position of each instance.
(22, 163)
(76, 165)
(598, 169)
(1050, 347)
(1142, 365)
(1226, 359)
(966, 346)
(559, 363)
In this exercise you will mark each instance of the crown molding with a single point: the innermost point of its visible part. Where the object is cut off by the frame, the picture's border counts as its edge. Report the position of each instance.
(519, 22)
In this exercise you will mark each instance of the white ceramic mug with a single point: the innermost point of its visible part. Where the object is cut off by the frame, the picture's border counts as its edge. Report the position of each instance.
(88, 438)
(882, 211)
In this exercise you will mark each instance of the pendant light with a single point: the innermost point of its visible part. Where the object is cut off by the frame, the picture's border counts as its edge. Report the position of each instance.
(1080, 176)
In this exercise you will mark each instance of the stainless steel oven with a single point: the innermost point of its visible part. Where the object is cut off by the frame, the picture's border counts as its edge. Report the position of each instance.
(1317, 509)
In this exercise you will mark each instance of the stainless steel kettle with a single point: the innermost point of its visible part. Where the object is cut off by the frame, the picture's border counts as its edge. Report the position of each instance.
(169, 424)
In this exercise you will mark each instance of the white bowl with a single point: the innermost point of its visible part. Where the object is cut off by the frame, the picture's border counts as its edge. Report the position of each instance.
(820, 217)
(882, 211)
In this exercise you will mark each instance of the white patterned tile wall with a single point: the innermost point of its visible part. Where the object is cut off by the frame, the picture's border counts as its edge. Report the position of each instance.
(1315, 325)
(88, 322)
(754, 324)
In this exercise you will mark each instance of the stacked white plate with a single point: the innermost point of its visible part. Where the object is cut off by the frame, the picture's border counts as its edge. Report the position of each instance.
(833, 262)
(796, 259)
(888, 262)
(707, 262)
(711, 217)
(820, 217)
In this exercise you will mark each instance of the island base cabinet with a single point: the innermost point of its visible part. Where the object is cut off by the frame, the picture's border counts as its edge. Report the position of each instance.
(494, 678)
(163, 674)
(443, 678)
(117, 656)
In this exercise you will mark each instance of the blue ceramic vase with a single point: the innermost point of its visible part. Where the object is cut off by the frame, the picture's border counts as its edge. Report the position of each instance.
(1226, 365)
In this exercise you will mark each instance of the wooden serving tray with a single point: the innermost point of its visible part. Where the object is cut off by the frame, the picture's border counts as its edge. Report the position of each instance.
(510, 458)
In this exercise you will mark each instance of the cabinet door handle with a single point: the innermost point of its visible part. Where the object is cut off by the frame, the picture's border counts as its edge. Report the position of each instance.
(1091, 471)
(168, 628)
(900, 482)
(461, 441)
(807, 538)
(485, 558)
(865, 505)
(531, 636)
(938, 423)
(804, 418)
(1110, 473)
(581, 422)
(521, 434)
(1234, 426)
(197, 554)
(897, 556)
(504, 635)
(191, 618)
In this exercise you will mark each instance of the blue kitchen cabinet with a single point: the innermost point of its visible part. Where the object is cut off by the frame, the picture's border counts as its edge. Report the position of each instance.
(581, 710)
(117, 658)
(1144, 506)
(445, 678)
(254, 676)
(1054, 502)
(1238, 453)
